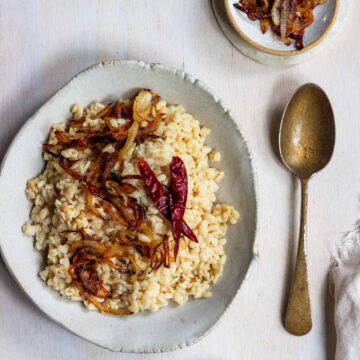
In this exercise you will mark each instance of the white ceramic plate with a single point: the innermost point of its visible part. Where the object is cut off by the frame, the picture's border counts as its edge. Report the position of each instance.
(172, 327)
(270, 43)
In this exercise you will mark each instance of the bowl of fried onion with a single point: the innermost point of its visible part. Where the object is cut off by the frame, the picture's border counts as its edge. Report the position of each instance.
(282, 27)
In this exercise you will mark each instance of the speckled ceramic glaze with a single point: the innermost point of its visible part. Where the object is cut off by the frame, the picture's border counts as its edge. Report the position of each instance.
(172, 327)
(268, 49)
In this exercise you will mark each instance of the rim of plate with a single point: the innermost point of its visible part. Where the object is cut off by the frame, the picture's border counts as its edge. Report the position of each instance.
(255, 250)
(270, 51)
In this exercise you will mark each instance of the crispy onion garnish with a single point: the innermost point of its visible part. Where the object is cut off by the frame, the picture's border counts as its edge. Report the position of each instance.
(89, 199)
(142, 108)
(285, 12)
(119, 189)
(108, 193)
(276, 12)
(106, 309)
(113, 213)
(84, 274)
(287, 18)
(85, 255)
(166, 251)
(253, 10)
(88, 252)
(64, 163)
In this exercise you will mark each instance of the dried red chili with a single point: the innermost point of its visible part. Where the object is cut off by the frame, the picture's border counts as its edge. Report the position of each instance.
(161, 197)
(156, 190)
(186, 230)
(178, 197)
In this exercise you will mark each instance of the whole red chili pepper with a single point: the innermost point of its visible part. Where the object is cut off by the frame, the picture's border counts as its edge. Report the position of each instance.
(161, 197)
(186, 230)
(178, 197)
(156, 190)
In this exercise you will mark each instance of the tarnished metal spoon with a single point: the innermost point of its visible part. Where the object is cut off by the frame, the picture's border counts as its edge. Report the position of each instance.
(306, 141)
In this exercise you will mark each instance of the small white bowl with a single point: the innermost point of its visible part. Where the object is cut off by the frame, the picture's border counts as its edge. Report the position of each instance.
(270, 43)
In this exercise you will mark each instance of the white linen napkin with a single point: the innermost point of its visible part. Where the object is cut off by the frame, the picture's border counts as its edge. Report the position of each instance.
(345, 279)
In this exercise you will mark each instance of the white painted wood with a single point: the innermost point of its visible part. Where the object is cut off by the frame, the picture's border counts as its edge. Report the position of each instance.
(44, 43)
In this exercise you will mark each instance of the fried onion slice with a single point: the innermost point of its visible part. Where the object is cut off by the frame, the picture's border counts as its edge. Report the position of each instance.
(287, 18)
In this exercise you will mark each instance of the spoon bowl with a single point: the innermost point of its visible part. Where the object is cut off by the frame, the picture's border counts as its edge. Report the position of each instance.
(307, 132)
(306, 142)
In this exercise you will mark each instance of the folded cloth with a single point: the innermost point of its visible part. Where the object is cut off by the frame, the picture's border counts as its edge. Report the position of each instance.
(345, 281)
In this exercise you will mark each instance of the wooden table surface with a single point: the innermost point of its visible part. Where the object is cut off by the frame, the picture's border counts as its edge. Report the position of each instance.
(44, 43)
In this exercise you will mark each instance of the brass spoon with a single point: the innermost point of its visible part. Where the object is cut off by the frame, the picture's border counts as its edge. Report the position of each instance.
(306, 141)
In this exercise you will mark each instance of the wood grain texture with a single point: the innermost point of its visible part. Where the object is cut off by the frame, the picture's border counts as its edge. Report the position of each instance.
(43, 44)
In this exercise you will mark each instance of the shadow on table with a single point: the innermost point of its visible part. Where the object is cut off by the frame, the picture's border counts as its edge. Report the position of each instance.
(284, 90)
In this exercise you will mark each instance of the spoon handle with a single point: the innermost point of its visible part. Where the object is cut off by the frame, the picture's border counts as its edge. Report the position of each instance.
(298, 315)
